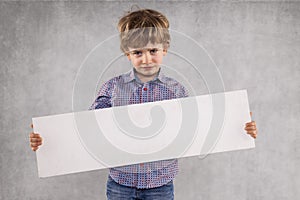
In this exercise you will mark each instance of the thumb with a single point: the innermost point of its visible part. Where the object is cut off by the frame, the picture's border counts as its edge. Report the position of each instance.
(251, 116)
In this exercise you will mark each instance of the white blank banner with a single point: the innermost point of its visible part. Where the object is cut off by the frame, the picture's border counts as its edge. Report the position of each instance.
(118, 136)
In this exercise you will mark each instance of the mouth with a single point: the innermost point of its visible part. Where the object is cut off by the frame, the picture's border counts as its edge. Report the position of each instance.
(148, 67)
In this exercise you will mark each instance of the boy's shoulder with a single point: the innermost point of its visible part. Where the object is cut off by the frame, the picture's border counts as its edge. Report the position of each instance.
(117, 79)
(169, 80)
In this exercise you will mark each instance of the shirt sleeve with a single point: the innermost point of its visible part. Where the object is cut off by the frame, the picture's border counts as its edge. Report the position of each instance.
(104, 96)
(181, 91)
(185, 92)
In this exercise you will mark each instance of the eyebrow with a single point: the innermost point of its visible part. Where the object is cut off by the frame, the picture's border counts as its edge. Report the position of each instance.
(141, 49)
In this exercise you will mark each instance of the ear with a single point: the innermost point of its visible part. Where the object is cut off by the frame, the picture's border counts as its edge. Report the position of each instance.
(165, 51)
(128, 56)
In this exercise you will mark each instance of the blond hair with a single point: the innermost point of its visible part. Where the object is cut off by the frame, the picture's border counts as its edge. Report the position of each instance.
(140, 27)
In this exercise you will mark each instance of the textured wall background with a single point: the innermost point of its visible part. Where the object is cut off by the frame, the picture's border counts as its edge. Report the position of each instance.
(255, 44)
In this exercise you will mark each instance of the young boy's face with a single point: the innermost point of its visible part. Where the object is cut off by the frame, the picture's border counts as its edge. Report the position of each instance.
(147, 60)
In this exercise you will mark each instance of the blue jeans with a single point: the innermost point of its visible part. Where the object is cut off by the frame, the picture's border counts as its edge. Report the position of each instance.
(115, 191)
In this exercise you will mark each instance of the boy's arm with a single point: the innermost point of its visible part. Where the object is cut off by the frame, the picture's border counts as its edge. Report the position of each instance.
(183, 92)
(103, 99)
(101, 102)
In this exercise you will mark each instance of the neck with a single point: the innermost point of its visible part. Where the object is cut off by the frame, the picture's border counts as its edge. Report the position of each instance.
(145, 79)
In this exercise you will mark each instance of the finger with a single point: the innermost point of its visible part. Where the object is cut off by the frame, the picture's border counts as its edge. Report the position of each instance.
(251, 132)
(38, 137)
(250, 125)
(35, 139)
(251, 117)
(34, 148)
(250, 128)
(253, 123)
(34, 135)
(34, 144)
(31, 135)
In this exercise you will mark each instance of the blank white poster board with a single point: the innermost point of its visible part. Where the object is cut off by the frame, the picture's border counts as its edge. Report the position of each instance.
(119, 136)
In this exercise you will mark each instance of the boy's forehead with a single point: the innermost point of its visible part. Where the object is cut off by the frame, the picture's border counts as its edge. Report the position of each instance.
(148, 46)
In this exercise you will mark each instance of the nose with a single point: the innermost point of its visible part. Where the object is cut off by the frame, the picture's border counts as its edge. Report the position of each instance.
(146, 58)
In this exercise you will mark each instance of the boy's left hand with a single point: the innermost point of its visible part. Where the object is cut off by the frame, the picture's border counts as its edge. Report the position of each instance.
(250, 127)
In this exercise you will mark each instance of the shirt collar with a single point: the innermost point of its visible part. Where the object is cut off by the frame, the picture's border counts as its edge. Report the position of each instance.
(130, 76)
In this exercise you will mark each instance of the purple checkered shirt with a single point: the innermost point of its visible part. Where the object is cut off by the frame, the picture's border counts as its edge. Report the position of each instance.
(128, 89)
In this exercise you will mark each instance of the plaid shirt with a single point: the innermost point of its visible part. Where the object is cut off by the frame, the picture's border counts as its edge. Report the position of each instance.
(128, 89)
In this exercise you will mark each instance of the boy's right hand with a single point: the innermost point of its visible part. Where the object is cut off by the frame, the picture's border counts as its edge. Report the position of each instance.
(35, 140)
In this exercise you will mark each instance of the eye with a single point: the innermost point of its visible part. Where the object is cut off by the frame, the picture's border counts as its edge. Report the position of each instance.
(153, 51)
(137, 53)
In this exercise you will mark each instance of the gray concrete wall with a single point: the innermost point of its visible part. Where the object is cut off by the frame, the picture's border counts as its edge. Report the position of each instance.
(255, 44)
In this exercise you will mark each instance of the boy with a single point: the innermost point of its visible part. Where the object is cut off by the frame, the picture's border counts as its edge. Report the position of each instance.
(144, 40)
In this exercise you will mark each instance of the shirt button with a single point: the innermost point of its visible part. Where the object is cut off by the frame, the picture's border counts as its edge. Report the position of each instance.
(145, 89)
